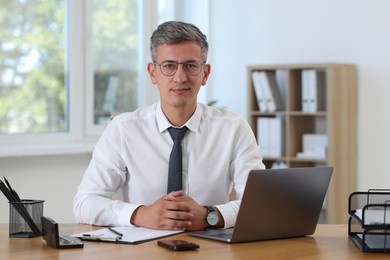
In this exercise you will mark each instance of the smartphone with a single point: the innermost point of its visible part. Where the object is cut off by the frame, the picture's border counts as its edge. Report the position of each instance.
(177, 245)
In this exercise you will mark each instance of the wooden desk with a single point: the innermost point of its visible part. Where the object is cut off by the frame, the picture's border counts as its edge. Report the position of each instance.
(328, 242)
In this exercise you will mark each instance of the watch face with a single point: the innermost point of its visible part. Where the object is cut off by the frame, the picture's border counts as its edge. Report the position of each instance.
(212, 218)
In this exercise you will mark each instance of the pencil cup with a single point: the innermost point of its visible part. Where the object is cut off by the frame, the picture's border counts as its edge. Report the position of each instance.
(25, 218)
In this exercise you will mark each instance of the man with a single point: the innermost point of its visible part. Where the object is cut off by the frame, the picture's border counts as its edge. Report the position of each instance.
(133, 153)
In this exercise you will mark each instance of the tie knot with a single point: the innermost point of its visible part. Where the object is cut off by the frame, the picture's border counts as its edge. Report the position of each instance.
(177, 133)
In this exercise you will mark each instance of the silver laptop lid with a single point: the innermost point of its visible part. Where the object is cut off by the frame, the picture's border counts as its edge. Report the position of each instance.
(281, 203)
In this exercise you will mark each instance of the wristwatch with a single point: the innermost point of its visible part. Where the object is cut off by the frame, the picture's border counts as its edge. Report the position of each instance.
(211, 217)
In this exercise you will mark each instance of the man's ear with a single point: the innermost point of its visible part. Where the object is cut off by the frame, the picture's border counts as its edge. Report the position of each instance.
(206, 73)
(152, 70)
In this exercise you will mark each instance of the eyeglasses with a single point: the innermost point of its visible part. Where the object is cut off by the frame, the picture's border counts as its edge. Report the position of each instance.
(191, 68)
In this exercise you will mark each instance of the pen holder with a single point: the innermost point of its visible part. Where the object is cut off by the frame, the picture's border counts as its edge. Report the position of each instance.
(25, 218)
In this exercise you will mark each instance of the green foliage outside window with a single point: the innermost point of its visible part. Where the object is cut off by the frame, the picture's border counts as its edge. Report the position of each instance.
(34, 61)
(32, 42)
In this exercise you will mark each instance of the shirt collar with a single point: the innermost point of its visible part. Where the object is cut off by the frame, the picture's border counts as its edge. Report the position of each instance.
(192, 123)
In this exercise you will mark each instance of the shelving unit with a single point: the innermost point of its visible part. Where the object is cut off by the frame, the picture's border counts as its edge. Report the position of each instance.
(337, 122)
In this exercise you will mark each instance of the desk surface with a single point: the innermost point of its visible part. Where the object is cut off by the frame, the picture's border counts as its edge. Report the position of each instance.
(328, 242)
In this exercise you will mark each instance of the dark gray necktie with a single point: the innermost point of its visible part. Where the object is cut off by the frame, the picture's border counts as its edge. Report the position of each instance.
(175, 160)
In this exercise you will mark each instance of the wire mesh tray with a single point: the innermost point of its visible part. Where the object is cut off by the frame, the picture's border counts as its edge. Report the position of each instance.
(371, 209)
(369, 222)
(369, 239)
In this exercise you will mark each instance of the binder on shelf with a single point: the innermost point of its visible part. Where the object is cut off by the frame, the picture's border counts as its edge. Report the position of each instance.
(369, 221)
(313, 91)
(263, 135)
(259, 92)
(305, 91)
(269, 90)
(274, 89)
(271, 136)
(276, 143)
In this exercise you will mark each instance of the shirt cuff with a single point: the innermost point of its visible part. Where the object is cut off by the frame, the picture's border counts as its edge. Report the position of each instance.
(125, 215)
(228, 215)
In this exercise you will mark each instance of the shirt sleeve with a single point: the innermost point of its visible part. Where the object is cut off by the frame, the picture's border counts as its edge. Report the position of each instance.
(106, 173)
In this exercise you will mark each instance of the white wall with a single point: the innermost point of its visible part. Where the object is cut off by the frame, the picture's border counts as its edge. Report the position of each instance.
(53, 179)
(301, 31)
(260, 32)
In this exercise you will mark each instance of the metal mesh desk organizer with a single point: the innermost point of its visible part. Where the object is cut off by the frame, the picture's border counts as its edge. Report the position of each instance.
(369, 221)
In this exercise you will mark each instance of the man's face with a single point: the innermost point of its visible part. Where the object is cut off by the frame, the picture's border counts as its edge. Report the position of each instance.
(179, 90)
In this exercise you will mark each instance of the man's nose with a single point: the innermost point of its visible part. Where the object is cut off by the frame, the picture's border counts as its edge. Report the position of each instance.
(180, 75)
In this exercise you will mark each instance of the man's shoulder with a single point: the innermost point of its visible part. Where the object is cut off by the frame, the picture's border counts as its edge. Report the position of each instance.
(219, 113)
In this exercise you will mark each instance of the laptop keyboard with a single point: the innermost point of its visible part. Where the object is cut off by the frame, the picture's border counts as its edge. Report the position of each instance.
(221, 233)
(227, 236)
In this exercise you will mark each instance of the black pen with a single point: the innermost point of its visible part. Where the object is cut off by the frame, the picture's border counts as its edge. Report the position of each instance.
(116, 232)
(13, 192)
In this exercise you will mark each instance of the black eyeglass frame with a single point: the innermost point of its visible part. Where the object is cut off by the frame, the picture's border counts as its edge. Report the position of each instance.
(183, 64)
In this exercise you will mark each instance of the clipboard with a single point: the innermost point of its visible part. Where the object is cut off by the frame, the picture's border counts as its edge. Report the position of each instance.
(125, 235)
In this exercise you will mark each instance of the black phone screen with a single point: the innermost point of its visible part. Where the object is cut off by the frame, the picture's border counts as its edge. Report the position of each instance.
(177, 245)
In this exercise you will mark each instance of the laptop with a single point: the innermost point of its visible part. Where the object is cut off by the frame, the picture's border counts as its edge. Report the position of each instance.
(51, 235)
(277, 203)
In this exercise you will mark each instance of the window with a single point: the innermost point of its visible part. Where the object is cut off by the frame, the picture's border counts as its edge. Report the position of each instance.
(33, 95)
(66, 65)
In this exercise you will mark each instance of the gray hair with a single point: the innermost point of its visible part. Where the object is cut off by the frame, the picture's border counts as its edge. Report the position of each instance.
(175, 32)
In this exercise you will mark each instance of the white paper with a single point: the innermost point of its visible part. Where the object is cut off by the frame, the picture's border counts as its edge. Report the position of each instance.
(131, 235)
(373, 217)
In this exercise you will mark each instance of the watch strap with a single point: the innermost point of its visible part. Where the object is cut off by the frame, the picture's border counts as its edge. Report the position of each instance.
(209, 209)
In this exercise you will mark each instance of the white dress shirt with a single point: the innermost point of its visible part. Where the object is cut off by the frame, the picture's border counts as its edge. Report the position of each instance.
(132, 155)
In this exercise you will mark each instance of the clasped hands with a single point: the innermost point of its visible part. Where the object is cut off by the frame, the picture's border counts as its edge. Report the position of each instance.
(171, 212)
